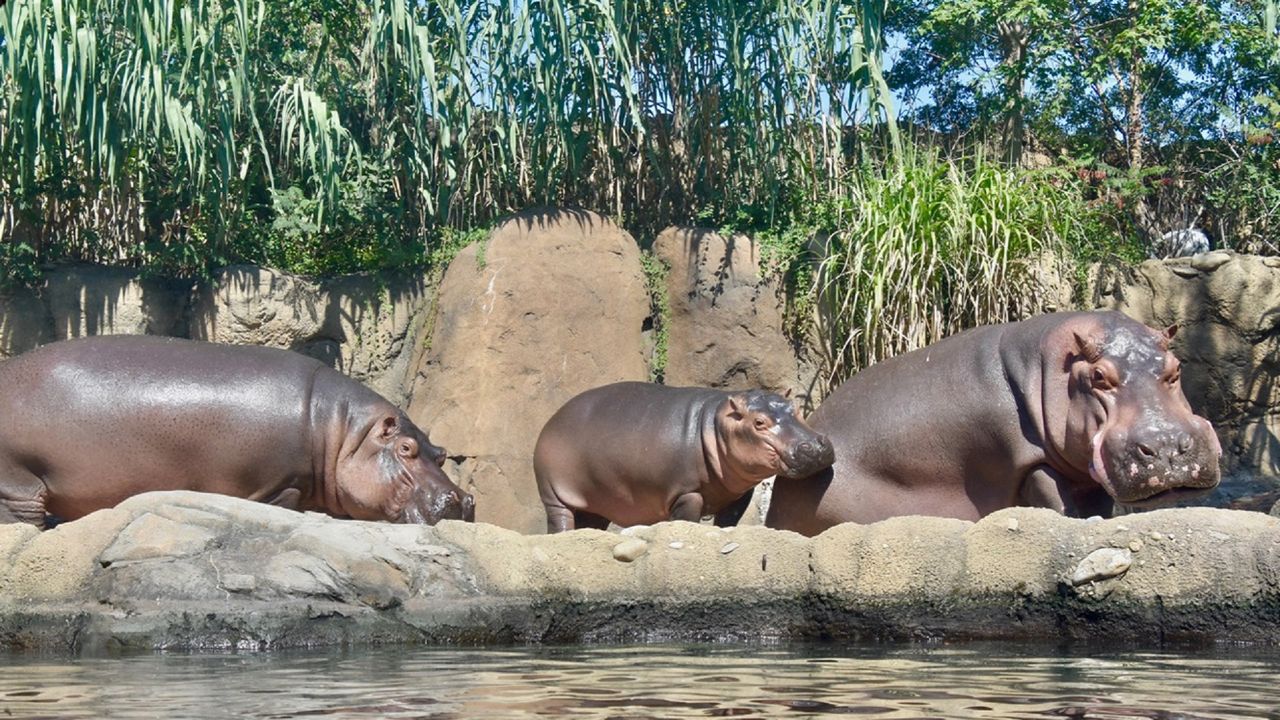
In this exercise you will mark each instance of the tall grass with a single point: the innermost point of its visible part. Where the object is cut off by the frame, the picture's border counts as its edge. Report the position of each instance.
(922, 248)
(196, 132)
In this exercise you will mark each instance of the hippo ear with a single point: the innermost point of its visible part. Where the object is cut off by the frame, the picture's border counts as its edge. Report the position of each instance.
(1167, 335)
(737, 407)
(1088, 347)
(387, 428)
(787, 394)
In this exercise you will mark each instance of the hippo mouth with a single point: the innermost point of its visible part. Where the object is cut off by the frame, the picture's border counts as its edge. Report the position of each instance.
(1168, 498)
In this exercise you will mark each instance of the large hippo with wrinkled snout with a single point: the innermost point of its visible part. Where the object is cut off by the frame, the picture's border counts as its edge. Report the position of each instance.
(638, 453)
(1069, 411)
(86, 423)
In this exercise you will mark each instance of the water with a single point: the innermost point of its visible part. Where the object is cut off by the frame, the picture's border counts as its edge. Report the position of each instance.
(815, 681)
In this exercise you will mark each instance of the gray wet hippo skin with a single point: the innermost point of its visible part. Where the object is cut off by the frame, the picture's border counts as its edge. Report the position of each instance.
(1069, 411)
(86, 423)
(638, 453)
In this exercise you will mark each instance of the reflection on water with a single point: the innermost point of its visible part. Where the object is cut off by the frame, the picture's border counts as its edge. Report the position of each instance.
(968, 681)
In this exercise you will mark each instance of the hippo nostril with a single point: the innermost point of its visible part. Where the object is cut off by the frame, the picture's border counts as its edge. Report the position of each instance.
(1145, 450)
(804, 449)
(1184, 442)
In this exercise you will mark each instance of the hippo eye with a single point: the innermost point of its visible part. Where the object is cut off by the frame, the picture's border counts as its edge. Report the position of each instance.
(1101, 380)
(762, 423)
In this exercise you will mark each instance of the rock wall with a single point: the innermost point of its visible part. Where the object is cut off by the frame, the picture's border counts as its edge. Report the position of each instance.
(180, 570)
(367, 326)
(1227, 309)
(725, 326)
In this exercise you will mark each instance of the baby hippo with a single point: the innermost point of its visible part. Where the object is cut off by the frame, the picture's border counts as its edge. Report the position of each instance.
(637, 453)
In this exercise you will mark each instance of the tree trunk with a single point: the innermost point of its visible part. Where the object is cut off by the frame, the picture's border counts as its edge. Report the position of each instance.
(1133, 111)
(1013, 49)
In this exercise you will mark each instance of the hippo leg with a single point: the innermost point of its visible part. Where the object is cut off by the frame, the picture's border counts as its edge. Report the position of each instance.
(584, 519)
(559, 519)
(687, 507)
(290, 498)
(22, 497)
(1044, 487)
(730, 514)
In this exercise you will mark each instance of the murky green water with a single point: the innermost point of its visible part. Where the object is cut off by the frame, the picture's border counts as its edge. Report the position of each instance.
(967, 681)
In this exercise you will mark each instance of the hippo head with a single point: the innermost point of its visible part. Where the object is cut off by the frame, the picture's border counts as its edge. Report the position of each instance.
(1128, 416)
(764, 436)
(397, 474)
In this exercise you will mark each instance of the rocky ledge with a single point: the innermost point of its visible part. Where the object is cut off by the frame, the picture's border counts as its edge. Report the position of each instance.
(179, 570)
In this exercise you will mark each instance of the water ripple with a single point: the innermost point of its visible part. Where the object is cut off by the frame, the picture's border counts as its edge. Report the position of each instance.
(603, 683)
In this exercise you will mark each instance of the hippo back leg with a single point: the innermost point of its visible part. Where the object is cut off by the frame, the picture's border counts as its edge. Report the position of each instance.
(23, 497)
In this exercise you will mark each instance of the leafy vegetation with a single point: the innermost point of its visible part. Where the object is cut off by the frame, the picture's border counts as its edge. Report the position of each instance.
(328, 135)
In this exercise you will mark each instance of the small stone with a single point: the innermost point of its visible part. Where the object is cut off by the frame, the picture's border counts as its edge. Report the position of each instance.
(633, 529)
(238, 582)
(539, 555)
(728, 548)
(1012, 525)
(1135, 545)
(1211, 261)
(1185, 271)
(629, 550)
(675, 545)
(1156, 536)
(1101, 564)
(1093, 518)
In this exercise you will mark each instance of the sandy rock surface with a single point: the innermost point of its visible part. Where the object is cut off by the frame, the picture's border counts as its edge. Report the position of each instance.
(188, 570)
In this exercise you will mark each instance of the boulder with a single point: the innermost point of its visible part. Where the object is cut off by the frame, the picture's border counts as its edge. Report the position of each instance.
(551, 304)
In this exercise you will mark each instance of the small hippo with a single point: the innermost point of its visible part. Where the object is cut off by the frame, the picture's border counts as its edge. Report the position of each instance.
(1069, 411)
(637, 453)
(86, 423)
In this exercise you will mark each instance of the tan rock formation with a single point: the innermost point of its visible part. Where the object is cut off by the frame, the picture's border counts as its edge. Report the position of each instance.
(552, 304)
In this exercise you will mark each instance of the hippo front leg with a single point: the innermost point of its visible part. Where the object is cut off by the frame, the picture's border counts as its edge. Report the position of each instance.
(730, 514)
(23, 498)
(687, 507)
(1046, 487)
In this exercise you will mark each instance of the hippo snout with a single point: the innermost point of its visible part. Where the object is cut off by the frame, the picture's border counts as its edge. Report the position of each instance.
(1148, 461)
(808, 457)
(430, 508)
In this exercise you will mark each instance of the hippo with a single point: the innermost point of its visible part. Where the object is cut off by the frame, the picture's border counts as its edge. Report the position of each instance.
(638, 453)
(86, 423)
(1069, 411)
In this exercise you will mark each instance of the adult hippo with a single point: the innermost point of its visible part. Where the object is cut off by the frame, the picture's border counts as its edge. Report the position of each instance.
(1069, 411)
(637, 453)
(87, 423)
